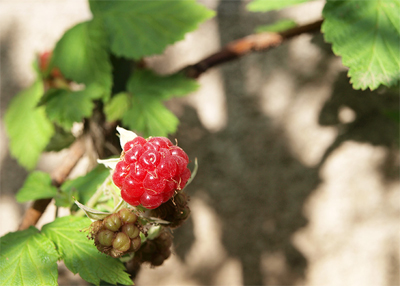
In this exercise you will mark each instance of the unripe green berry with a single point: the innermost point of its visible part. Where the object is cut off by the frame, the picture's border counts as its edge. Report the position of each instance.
(112, 222)
(121, 242)
(131, 230)
(105, 237)
(136, 243)
(127, 216)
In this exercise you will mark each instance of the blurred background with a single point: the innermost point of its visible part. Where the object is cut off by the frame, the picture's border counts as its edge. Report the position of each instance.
(298, 180)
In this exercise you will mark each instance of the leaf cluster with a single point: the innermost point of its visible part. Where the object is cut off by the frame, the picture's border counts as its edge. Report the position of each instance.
(81, 76)
(365, 34)
(30, 256)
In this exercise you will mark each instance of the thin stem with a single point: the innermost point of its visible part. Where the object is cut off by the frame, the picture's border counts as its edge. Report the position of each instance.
(96, 196)
(59, 175)
(243, 46)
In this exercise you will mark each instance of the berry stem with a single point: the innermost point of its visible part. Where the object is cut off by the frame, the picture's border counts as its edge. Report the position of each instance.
(243, 46)
(59, 175)
(96, 196)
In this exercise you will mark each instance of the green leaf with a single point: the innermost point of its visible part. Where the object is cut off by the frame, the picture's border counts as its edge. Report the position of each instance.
(37, 186)
(140, 28)
(27, 258)
(60, 140)
(86, 185)
(81, 55)
(79, 253)
(147, 83)
(268, 5)
(66, 107)
(277, 27)
(117, 106)
(367, 37)
(142, 110)
(27, 126)
(150, 117)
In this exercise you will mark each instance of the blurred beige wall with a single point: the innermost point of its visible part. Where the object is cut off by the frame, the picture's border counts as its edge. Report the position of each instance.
(298, 181)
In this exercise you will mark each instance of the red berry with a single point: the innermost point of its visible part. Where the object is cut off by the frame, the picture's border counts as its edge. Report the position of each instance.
(120, 172)
(175, 150)
(167, 167)
(138, 172)
(127, 197)
(180, 163)
(133, 154)
(149, 160)
(150, 171)
(151, 201)
(154, 183)
(184, 178)
(161, 142)
(151, 146)
(135, 188)
(169, 190)
(137, 141)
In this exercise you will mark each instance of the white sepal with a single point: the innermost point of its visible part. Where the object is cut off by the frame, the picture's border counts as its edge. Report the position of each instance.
(125, 136)
(92, 213)
(109, 163)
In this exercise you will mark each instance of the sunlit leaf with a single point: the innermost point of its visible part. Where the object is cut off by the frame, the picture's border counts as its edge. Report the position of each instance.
(27, 126)
(367, 36)
(27, 258)
(140, 28)
(66, 107)
(268, 5)
(37, 186)
(277, 27)
(79, 253)
(81, 55)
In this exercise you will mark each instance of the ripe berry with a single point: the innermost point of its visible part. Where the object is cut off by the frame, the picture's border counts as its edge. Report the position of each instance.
(137, 141)
(151, 201)
(150, 171)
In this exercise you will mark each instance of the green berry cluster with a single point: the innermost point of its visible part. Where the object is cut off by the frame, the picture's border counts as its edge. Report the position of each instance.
(117, 234)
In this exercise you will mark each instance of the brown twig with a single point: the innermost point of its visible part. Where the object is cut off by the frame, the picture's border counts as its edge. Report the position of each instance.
(59, 175)
(241, 47)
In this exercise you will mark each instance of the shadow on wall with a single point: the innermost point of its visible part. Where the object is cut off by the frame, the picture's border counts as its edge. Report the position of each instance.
(361, 117)
(254, 183)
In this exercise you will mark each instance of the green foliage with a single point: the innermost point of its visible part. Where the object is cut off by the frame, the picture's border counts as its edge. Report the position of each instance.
(117, 106)
(79, 253)
(147, 83)
(141, 109)
(141, 28)
(60, 140)
(82, 56)
(27, 126)
(27, 258)
(367, 37)
(268, 5)
(85, 186)
(37, 186)
(277, 27)
(149, 116)
(66, 107)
